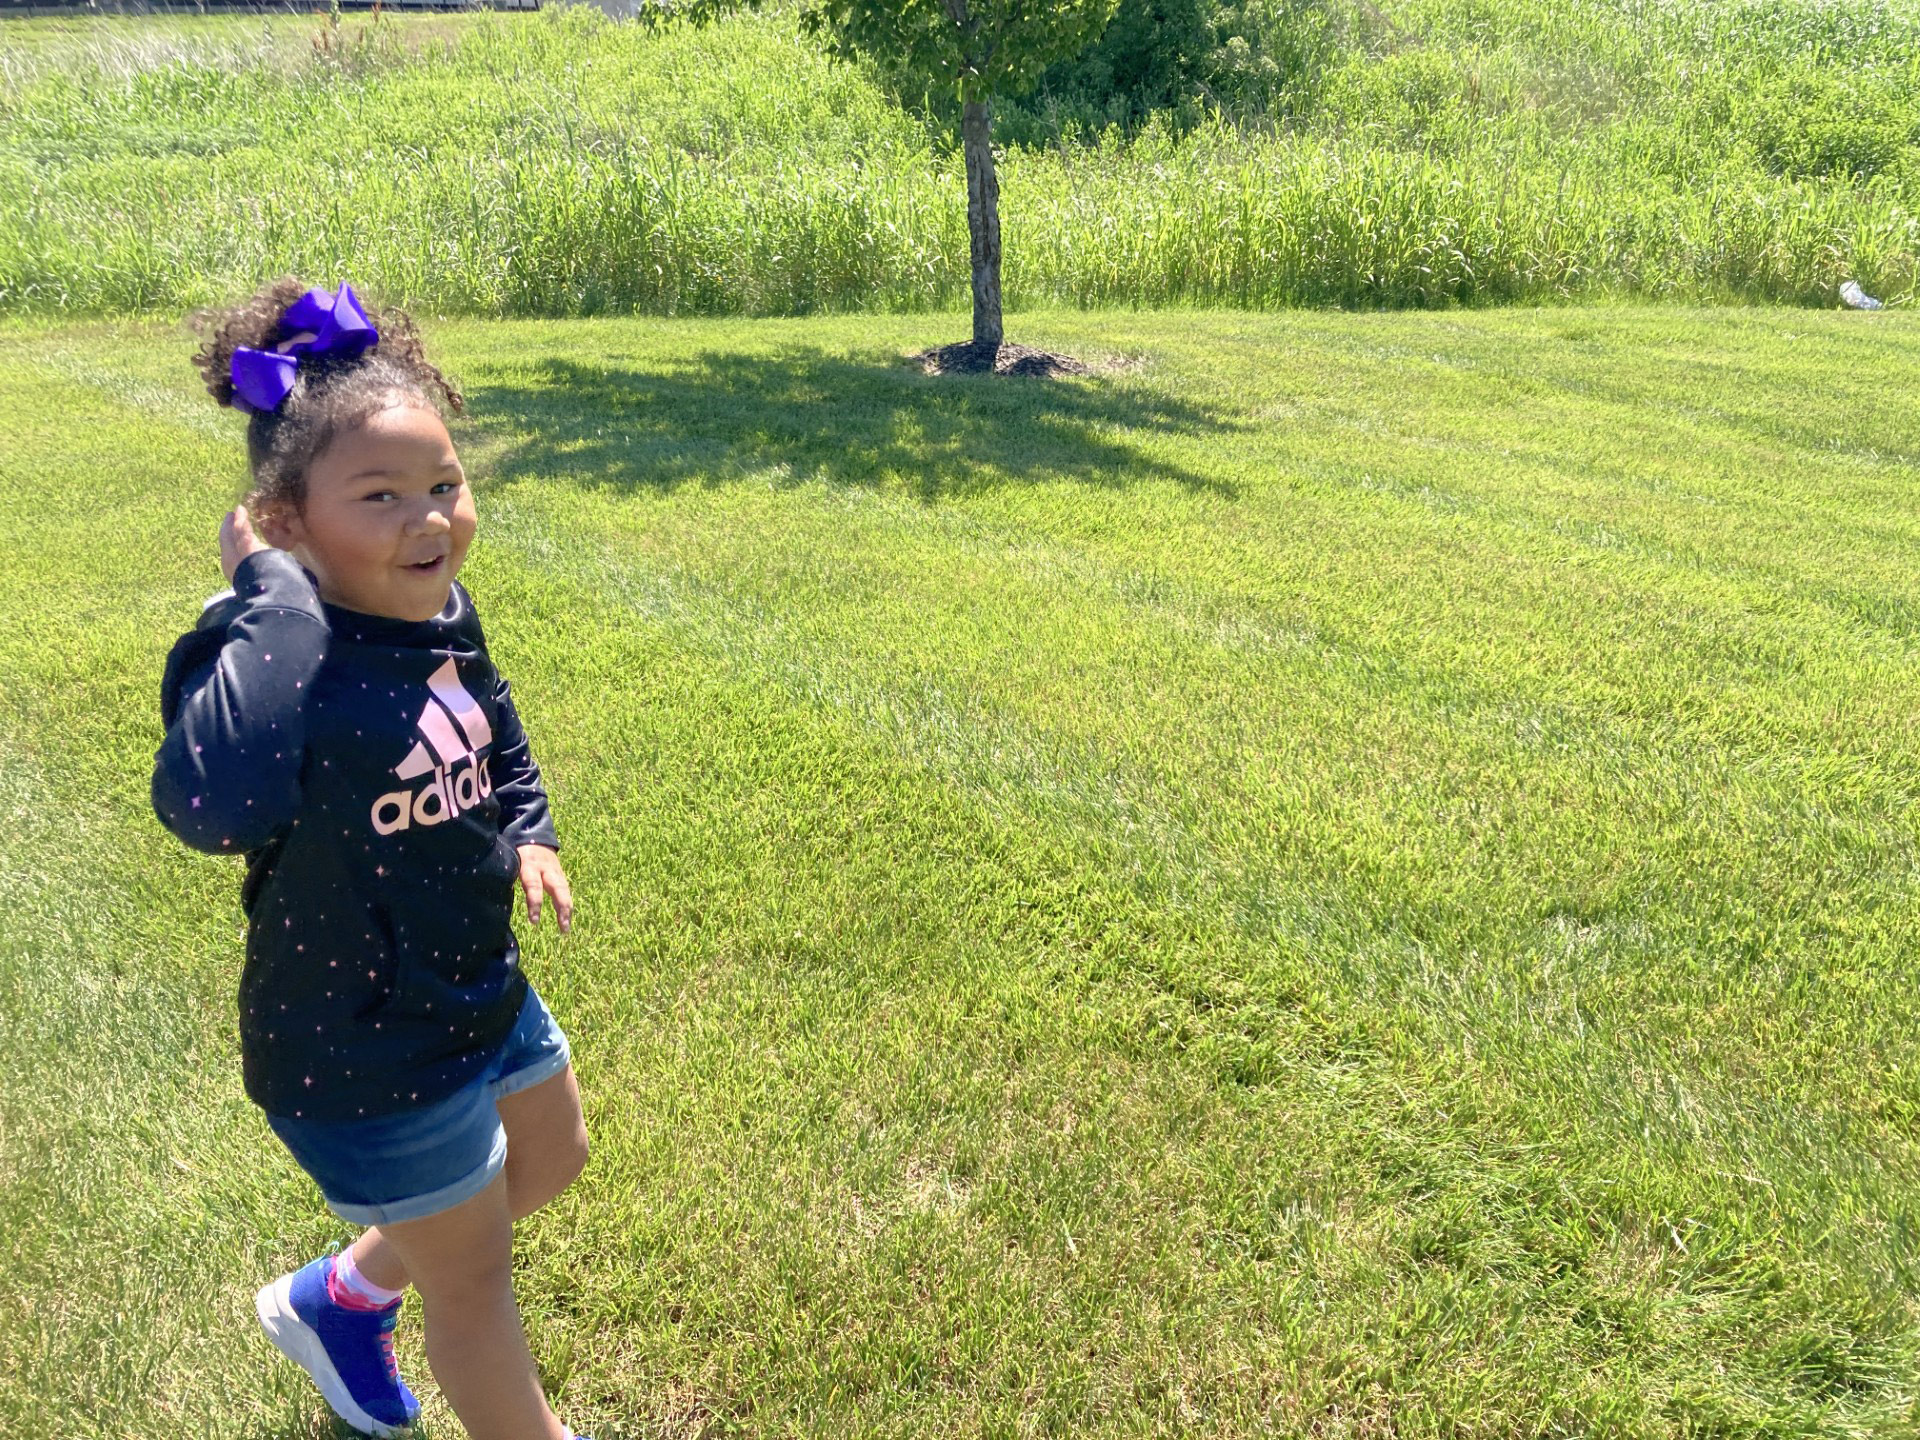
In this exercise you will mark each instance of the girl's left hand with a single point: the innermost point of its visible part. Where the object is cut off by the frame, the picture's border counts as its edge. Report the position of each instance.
(540, 876)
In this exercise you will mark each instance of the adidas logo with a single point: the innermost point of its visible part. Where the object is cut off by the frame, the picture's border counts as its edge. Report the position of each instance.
(453, 731)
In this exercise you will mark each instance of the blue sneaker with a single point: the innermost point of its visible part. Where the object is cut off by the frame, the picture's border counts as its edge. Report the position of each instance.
(349, 1353)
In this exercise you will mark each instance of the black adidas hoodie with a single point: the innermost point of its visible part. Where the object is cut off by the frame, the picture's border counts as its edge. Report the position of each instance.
(376, 777)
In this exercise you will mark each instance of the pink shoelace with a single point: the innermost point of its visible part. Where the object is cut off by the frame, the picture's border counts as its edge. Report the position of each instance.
(387, 1355)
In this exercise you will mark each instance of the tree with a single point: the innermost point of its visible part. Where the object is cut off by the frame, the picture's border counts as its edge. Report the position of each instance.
(985, 50)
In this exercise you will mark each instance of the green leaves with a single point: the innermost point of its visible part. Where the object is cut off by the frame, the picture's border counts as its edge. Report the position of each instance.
(981, 49)
(984, 48)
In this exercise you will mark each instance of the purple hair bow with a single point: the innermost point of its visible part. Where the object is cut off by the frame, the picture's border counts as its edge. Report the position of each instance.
(322, 324)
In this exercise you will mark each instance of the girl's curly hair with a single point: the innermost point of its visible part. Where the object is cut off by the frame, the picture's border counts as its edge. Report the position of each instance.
(330, 393)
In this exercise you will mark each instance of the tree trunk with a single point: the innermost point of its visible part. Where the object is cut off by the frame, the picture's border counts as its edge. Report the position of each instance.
(983, 222)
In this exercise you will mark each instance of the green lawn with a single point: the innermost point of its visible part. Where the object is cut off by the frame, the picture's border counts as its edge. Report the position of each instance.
(1348, 876)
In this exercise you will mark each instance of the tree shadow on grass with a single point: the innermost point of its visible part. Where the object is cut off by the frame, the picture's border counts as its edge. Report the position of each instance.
(808, 414)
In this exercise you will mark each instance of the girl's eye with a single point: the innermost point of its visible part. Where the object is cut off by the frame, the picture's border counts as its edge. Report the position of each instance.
(446, 487)
(380, 495)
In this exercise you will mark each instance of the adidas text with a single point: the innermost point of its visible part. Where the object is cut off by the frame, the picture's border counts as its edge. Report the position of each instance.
(449, 795)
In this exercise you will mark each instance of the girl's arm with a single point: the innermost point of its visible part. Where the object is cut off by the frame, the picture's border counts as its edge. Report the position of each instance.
(524, 817)
(227, 776)
(525, 822)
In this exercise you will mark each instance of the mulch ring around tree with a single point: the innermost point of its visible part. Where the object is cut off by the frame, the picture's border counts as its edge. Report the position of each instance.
(967, 358)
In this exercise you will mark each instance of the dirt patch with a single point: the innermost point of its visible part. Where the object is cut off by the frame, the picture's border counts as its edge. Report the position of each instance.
(967, 358)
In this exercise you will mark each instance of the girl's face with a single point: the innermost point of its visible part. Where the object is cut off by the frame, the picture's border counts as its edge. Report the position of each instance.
(387, 518)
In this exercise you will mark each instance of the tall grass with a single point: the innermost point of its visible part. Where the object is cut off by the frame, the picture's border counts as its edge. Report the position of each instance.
(1446, 152)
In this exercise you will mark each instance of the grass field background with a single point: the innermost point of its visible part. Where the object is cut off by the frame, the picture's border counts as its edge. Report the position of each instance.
(1373, 153)
(1353, 876)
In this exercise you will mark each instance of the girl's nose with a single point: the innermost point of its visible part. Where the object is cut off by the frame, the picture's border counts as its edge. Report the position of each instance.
(431, 521)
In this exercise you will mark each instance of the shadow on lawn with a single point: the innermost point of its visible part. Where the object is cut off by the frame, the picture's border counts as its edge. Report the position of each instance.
(812, 415)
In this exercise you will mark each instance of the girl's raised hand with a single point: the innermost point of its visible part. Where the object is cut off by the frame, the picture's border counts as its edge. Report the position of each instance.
(540, 876)
(237, 540)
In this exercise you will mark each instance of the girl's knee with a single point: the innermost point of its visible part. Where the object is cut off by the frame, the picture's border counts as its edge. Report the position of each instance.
(575, 1160)
(571, 1163)
(546, 1141)
(539, 1182)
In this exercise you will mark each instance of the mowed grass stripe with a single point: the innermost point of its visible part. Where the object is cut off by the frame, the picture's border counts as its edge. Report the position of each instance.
(751, 991)
(939, 1080)
(974, 679)
(1697, 710)
(1121, 810)
(1343, 1047)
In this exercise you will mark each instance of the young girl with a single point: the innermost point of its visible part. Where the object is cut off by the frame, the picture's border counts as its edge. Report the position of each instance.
(336, 718)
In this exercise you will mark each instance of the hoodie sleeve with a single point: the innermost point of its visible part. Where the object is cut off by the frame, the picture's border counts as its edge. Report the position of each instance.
(524, 819)
(227, 776)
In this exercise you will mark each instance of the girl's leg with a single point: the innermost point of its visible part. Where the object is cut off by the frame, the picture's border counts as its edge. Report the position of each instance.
(546, 1150)
(461, 1262)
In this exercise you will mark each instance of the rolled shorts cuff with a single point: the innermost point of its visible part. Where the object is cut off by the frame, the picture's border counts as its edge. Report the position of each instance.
(540, 1071)
(418, 1207)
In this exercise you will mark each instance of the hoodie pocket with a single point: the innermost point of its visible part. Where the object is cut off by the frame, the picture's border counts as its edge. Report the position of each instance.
(385, 964)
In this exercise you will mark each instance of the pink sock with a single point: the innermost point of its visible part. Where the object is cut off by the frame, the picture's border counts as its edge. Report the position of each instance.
(348, 1288)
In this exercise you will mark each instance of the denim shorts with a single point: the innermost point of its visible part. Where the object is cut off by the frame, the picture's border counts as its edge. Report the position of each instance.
(420, 1162)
